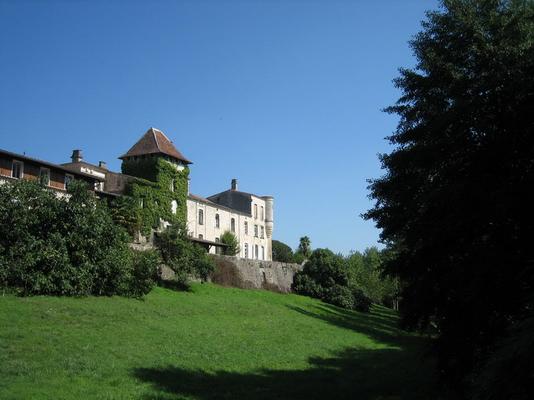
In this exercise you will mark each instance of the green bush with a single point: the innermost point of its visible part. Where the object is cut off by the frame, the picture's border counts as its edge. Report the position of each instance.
(361, 301)
(185, 258)
(325, 276)
(145, 271)
(340, 296)
(59, 246)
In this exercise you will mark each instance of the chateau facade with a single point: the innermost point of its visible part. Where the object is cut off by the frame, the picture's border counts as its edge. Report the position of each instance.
(156, 174)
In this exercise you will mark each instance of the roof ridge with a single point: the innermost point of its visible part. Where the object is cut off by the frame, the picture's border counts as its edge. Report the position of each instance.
(155, 137)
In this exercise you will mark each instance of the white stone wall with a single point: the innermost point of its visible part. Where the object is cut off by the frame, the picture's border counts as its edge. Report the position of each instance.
(209, 231)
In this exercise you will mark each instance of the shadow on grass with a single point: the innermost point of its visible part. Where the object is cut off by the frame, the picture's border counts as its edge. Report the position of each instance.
(174, 285)
(384, 374)
(353, 374)
(381, 324)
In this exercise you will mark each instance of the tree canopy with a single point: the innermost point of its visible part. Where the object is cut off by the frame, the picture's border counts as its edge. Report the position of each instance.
(282, 252)
(455, 202)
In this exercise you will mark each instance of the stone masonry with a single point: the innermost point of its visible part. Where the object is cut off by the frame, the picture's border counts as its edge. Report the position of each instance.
(254, 274)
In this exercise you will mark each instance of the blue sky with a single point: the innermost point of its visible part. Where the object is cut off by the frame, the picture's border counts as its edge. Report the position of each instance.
(285, 96)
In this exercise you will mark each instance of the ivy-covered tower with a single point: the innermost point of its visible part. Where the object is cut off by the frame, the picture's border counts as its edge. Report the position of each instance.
(162, 182)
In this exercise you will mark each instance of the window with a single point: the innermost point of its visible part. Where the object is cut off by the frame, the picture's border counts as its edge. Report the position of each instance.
(255, 230)
(174, 206)
(262, 216)
(68, 179)
(262, 232)
(262, 253)
(256, 251)
(232, 224)
(141, 203)
(172, 185)
(44, 176)
(246, 250)
(201, 236)
(217, 221)
(246, 228)
(201, 217)
(255, 211)
(17, 169)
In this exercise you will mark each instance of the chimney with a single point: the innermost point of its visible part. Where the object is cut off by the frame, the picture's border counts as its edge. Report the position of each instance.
(76, 156)
(102, 164)
(234, 184)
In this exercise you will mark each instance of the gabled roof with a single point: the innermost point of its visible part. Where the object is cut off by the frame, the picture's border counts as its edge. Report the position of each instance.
(48, 164)
(154, 141)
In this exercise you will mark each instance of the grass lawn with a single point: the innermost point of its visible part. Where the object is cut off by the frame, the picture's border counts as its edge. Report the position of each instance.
(209, 343)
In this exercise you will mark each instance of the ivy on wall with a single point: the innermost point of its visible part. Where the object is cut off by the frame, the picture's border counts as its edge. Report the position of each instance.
(158, 183)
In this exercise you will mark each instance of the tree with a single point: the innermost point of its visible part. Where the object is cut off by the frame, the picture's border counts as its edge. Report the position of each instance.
(231, 241)
(325, 276)
(304, 246)
(66, 246)
(455, 204)
(366, 272)
(181, 255)
(282, 252)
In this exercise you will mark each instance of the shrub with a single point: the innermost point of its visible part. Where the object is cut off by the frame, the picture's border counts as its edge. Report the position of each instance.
(62, 246)
(340, 296)
(231, 241)
(361, 301)
(144, 272)
(185, 258)
(325, 276)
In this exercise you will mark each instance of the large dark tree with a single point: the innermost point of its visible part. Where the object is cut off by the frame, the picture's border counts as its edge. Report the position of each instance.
(456, 201)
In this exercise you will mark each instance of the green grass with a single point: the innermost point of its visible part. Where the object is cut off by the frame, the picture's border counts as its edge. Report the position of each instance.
(209, 343)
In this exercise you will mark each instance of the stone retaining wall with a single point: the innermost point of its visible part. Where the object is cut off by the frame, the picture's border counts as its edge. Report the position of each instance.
(254, 274)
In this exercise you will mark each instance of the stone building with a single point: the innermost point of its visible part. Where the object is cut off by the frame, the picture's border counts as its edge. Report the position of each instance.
(248, 216)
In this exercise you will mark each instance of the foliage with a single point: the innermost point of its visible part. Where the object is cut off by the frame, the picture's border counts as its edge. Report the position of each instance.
(145, 271)
(325, 276)
(231, 241)
(184, 257)
(63, 247)
(362, 302)
(298, 257)
(456, 202)
(366, 273)
(282, 252)
(125, 212)
(158, 183)
(304, 247)
(174, 345)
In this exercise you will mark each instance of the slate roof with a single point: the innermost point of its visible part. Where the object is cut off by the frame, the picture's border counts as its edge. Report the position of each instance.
(154, 141)
(233, 199)
(218, 205)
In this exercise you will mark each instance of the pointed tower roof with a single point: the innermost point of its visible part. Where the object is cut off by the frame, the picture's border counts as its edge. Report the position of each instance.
(154, 141)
